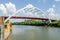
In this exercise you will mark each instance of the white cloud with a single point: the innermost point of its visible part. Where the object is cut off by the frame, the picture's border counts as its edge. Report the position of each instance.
(36, 15)
(57, 0)
(32, 11)
(57, 16)
(54, 6)
(3, 9)
(52, 14)
(10, 7)
(29, 6)
(51, 10)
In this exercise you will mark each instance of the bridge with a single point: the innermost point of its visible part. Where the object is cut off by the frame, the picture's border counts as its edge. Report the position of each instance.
(33, 18)
(7, 28)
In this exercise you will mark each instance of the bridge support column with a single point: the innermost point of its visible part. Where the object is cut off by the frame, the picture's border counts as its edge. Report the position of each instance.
(1, 27)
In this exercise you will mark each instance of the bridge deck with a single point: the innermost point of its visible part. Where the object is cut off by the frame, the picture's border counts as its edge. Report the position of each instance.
(20, 17)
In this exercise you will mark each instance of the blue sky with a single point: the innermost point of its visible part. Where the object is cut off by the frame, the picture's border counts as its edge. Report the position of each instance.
(43, 4)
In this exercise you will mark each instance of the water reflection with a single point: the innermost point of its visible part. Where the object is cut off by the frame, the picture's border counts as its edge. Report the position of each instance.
(54, 33)
(34, 33)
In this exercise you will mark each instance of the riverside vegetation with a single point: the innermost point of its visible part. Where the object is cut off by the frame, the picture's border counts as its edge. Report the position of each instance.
(38, 23)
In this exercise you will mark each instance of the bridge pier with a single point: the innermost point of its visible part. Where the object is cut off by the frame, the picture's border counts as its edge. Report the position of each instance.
(1, 27)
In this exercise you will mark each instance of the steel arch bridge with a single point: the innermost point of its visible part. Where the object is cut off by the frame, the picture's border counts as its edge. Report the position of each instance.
(28, 9)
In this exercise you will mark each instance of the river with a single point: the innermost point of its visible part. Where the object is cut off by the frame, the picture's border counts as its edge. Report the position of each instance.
(23, 32)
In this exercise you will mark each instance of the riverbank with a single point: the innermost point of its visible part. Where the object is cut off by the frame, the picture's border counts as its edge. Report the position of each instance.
(38, 23)
(33, 23)
(54, 24)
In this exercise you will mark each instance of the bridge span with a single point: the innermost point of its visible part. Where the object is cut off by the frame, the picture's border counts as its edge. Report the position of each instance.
(34, 18)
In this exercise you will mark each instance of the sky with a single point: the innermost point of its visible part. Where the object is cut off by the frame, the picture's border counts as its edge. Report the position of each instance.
(52, 7)
(43, 4)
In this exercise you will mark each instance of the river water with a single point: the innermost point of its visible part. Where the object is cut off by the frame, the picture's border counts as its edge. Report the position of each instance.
(23, 32)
